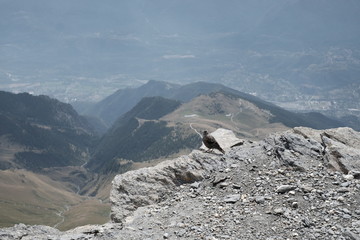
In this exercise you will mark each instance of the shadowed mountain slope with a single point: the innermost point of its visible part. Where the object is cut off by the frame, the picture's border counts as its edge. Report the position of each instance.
(38, 132)
(138, 135)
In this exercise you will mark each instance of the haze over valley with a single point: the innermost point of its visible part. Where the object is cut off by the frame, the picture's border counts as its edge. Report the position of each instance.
(301, 55)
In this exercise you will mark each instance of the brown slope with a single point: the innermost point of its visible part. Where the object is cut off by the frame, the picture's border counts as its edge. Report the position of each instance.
(218, 110)
(34, 198)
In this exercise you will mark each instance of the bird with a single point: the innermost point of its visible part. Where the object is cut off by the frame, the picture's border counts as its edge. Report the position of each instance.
(210, 142)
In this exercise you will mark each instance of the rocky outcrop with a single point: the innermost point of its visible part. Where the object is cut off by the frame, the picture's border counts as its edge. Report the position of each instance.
(298, 184)
(304, 148)
(153, 185)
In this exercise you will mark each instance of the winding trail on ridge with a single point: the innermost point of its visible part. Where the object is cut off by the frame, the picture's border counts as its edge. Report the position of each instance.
(195, 130)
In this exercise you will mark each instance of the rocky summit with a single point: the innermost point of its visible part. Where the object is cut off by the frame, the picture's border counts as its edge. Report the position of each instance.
(298, 184)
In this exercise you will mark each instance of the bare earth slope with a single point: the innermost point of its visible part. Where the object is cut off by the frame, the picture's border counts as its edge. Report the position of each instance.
(209, 112)
(298, 184)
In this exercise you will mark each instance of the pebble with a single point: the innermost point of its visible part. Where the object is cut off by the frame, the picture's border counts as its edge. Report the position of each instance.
(260, 199)
(236, 186)
(195, 185)
(232, 198)
(343, 190)
(285, 188)
(345, 184)
(278, 211)
(295, 205)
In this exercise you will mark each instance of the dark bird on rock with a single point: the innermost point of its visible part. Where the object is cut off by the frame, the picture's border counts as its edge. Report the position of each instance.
(210, 142)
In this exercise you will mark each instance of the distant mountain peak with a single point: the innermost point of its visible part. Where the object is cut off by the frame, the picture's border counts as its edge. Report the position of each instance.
(168, 85)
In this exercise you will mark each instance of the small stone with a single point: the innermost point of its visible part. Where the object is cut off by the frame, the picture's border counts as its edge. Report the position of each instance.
(356, 174)
(345, 184)
(260, 199)
(307, 222)
(236, 186)
(349, 177)
(341, 199)
(219, 179)
(345, 210)
(278, 211)
(343, 190)
(195, 185)
(295, 205)
(181, 233)
(285, 188)
(180, 225)
(306, 189)
(292, 192)
(224, 184)
(232, 198)
(166, 236)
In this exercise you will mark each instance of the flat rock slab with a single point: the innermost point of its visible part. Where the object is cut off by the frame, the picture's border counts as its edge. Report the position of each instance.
(225, 138)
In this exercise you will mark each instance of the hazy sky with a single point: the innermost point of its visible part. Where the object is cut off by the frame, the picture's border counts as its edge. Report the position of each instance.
(90, 48)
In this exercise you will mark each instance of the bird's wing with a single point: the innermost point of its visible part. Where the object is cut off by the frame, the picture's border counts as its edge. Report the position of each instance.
(211, 139)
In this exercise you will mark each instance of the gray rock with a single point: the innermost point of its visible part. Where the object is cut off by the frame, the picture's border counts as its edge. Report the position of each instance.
(260, 199)
(195, 185)
(145, 186)
(278, 211)
(345, 184)
(295, 205)
(232, 198)
(285, 188)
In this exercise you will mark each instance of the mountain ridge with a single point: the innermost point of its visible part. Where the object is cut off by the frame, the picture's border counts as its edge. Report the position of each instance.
(142, 135)
(123, 100)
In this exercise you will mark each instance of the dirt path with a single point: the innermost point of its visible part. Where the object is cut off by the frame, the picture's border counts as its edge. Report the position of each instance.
(61, 214)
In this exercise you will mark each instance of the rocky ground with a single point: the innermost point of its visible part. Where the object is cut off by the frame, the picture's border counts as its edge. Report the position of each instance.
(300, 184)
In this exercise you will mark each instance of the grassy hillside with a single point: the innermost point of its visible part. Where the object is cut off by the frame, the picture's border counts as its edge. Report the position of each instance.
(32, 198)
(43, 144)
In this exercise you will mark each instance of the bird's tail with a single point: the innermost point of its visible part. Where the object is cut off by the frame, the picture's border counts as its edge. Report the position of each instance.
(221, 150)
